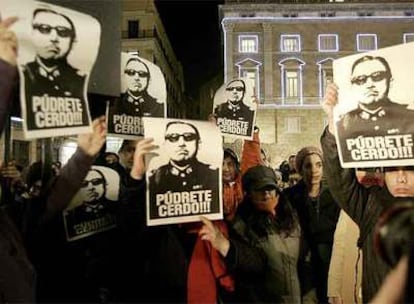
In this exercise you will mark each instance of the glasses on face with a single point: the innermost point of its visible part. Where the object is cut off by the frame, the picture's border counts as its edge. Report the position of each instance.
(174, 137)
(131, 72)
(62, 31)
(93, 182)
(238, 89)
(376, 77)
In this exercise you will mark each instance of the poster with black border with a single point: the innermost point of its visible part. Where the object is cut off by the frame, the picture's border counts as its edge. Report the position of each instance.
(93, 209)
(184, 177)
(375, 111)
(57, 51)
(234, 108)
(143, 94)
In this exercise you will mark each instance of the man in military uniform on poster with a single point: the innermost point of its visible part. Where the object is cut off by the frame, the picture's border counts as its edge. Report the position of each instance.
(136, 101)
(234, 107)
(376, 114)
(184, 172)
(53, 37)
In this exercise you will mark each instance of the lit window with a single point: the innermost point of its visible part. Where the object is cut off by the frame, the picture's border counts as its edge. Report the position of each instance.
(366, 42)
(292, 124)
(248, 43)
(67, 150)
(408, 37)
(325, 75)
(290, 43)
(291, 80)
(328, 43)
(291, 88)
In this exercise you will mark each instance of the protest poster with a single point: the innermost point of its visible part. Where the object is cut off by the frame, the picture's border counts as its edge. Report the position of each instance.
(374, 116)
(143, 94)
(92, 210)
(235, 108)
(55, 58)
(184, 178)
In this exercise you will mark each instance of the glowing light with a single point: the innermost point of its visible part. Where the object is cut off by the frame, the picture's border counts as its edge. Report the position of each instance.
(248, 43)
(300, 64)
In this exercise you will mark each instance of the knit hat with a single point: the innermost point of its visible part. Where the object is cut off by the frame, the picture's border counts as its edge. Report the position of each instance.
(259, 177)
(300, 157)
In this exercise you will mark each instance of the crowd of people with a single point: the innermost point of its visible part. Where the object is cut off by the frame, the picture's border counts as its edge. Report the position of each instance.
(276, 243)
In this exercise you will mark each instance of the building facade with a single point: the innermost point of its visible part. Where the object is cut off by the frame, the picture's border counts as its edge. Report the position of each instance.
(287, 49)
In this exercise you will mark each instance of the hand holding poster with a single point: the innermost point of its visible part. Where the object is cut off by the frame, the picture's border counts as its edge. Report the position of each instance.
(184, 180)
(55, 59)
(374, 115)
(143, 94)
(235, 108)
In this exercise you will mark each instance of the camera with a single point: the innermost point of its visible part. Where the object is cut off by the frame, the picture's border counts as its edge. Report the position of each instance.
(394, 237)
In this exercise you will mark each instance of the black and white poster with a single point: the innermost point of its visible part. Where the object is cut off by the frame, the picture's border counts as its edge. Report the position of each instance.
(184, 178)
(143, 94)
(93, 208)
(57, 51)
(375, 112)
(235, 108)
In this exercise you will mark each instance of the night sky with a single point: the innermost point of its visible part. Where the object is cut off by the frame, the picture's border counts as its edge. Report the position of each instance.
(200, 54)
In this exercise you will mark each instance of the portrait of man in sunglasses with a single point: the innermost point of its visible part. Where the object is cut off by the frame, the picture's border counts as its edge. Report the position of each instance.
(183, 172)
(233, 116)
(371, 80)
(136, 101)
(95, 212)
(53, 36)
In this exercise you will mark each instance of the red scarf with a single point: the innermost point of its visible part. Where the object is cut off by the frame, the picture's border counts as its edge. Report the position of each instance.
(206, 270)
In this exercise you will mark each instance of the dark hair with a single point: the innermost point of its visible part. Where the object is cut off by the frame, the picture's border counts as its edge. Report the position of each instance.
(34, 173)
(46, 10)
(258, 220)
(103, 178)
(230, 153)
(125, 143)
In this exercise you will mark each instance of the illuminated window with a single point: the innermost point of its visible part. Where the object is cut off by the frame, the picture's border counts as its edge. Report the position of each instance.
(290, 43)
(292, 124)
(325, 75)
(291, 81)
(366, 42)
(250, 69)
(248, 43)
(328, 42)
(408, 37)
(67, 150)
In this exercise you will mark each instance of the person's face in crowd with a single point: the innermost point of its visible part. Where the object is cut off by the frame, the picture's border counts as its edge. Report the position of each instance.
(235, 91)
(111, 159)
(229, 170)
(265, 199)
(370, 80)
(400, 181)
(126, 156)
(181, 143)
(93, 187)
(312, 170)
(52, 35)
(292, 160)
(137, 76)
(34, 191)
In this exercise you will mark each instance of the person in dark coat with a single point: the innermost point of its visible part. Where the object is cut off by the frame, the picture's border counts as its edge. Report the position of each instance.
(318, 214)
(363, 205)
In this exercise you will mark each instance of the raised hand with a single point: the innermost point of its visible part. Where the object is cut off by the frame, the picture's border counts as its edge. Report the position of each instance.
(329, 102)
(211, 233)
(91, 143)
(8, 41)
(143, 147)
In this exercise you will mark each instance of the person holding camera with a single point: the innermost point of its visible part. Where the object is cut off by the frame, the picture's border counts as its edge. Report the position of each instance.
(363, 205)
